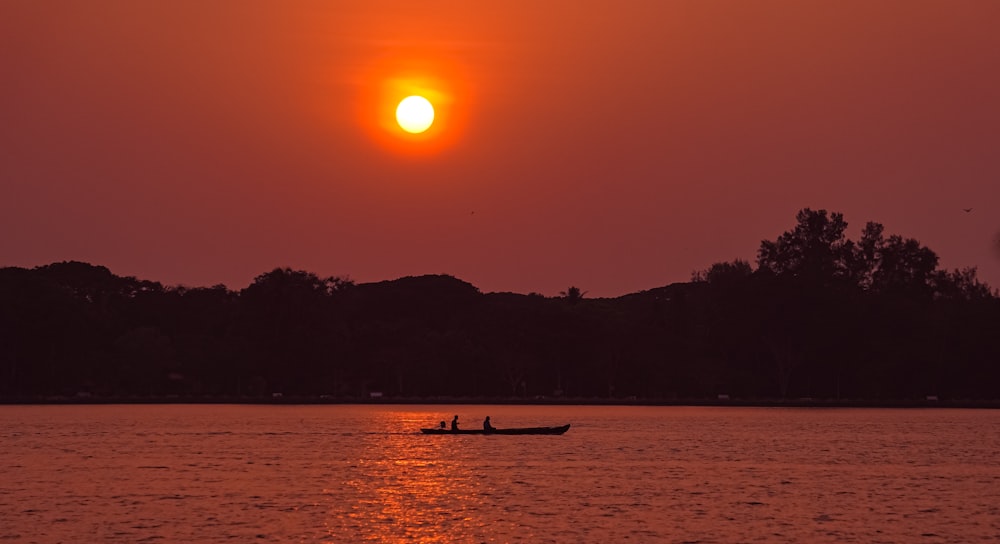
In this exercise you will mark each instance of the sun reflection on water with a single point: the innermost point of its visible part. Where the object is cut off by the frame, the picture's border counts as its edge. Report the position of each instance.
(408, 487)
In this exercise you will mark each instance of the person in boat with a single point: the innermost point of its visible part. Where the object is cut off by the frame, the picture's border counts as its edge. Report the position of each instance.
(454, 423)
(487, 426)
(443, 426)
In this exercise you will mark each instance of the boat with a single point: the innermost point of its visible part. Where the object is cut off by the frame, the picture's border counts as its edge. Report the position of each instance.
(516, 430)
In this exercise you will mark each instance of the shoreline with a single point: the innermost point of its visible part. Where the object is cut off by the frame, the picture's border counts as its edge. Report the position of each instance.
(283, 400)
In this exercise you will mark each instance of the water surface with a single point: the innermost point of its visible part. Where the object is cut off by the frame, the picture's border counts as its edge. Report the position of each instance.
(210, 473)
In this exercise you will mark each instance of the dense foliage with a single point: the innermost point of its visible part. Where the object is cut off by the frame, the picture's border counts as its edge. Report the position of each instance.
(820, 316)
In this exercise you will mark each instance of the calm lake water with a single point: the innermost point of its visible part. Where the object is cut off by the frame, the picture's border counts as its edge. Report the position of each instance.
(621, 474)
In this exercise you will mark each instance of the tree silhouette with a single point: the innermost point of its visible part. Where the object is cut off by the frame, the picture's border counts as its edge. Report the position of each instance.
(573, 295)
(820, 317)
(724, 273)
(815, 251)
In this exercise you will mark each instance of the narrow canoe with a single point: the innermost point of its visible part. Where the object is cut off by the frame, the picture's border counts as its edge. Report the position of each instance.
(522, 430)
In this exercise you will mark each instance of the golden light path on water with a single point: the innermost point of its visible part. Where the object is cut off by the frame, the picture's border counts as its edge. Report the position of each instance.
(413, 489)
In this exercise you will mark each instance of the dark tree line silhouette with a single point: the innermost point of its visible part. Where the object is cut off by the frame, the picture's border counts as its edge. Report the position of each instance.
(820, 316)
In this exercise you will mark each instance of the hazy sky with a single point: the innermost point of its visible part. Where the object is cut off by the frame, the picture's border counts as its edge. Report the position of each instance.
(614, 146)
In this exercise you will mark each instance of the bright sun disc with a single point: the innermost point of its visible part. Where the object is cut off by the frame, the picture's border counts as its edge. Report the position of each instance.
(415, 114)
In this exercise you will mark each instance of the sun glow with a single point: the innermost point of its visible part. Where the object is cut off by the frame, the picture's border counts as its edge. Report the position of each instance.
(415, 114)
(415, 105)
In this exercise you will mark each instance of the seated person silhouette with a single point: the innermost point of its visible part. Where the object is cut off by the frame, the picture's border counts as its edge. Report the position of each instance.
(487, 426)
(454, 423)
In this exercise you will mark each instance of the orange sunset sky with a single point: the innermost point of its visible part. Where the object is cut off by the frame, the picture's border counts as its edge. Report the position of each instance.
(614, 146)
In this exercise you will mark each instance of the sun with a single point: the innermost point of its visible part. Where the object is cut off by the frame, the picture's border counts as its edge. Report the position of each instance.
(415, 114)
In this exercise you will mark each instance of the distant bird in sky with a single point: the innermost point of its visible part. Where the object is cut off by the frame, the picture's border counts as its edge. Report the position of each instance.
(967, 210)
